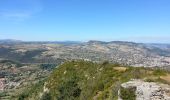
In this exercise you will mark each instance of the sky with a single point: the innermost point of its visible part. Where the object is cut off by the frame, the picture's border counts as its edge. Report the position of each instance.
(84, 20)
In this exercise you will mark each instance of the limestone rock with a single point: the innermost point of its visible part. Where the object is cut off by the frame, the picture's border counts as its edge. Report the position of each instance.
(148, 90)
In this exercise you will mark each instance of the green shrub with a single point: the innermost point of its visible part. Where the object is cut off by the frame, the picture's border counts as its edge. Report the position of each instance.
(46, 96)
(128, 93)
(23, 96)
(69, 89)
(2, 94)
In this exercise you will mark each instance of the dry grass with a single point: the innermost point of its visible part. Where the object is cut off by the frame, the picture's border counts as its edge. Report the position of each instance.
(150, 72)
(121, 69)
(166, 78)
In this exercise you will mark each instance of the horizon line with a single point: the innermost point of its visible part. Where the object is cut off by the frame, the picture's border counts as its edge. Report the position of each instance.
(17, 40)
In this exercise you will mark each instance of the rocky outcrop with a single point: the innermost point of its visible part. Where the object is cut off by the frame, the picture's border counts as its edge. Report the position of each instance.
(148, 90)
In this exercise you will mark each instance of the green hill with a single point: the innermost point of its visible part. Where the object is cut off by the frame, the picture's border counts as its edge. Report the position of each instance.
(82, 80)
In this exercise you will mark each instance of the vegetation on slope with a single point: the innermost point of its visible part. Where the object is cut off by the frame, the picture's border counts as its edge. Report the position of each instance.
(83, 80)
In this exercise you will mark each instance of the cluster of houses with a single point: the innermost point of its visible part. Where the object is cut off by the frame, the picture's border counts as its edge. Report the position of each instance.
(2, 83)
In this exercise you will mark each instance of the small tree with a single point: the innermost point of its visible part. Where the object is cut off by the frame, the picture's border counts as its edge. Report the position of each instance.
(46, 96)
(128, 93)
(69, 90)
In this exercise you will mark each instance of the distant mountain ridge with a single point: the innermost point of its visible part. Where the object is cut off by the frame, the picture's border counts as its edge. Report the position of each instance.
(128, 53)
(3, 41)
(12, 41)
(79, 42)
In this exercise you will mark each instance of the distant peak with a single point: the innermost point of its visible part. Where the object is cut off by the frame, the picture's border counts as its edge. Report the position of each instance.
(10, 40)
(95, 41)
(103, 42)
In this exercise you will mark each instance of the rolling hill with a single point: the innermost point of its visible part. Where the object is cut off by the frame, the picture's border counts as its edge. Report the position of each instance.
(127, 53)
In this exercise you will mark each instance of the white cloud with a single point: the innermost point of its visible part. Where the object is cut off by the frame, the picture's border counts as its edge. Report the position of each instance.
(15, 16)
(20, 10)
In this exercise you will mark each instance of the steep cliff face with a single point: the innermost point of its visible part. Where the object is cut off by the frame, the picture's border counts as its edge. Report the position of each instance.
(147, 90)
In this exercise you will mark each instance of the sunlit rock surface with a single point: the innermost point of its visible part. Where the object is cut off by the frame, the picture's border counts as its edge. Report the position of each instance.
(148, 90)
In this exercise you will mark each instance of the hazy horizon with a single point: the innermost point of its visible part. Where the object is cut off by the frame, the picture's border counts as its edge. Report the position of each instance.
(72, 41)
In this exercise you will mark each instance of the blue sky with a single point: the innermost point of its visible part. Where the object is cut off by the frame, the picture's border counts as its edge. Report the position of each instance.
(83, 20)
